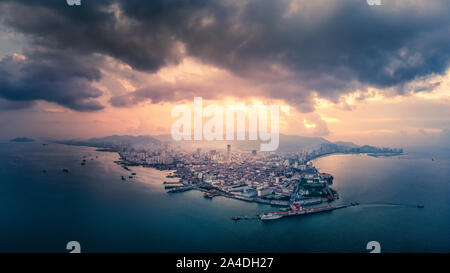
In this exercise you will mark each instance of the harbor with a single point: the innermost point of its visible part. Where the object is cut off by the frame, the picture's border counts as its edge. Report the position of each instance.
(288, 181)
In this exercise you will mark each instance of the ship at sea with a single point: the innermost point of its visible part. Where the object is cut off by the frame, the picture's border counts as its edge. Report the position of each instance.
(298, 210)
(270, 216)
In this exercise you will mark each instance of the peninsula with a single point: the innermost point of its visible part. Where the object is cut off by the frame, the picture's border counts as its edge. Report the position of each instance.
(285, 179)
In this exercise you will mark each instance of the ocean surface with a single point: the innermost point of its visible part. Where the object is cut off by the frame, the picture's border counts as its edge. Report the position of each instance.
(91, 204)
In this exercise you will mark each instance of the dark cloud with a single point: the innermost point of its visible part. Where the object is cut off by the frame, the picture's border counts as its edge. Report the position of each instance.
(53, 76)
(15, 105)
(329, 47)
(94, 27)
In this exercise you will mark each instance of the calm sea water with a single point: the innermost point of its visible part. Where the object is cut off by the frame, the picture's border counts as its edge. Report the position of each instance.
(41, 212)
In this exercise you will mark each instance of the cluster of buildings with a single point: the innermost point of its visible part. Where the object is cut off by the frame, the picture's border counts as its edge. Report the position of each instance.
(150, 156)
(247, 175)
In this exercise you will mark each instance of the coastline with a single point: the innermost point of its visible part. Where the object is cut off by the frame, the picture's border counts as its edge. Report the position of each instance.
(297, 206)
(151, 208)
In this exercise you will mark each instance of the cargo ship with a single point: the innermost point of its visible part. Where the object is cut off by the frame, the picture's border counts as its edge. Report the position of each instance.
(297, 210)
(270, 216)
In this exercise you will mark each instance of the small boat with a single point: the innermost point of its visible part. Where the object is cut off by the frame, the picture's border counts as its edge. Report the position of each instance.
(236, 218)
(83, 163)
(65, 170)
(123, 177)
(44, 171)
(130, 176)
(420, 206)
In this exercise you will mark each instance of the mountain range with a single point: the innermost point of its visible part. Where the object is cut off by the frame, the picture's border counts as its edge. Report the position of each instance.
(287, 143)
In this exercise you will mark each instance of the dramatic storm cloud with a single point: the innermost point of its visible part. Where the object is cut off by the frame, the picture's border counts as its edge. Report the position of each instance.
(293, 50)
(51, 76)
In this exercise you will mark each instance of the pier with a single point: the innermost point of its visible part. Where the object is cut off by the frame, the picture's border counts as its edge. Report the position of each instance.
(178, 185)
(180, 189)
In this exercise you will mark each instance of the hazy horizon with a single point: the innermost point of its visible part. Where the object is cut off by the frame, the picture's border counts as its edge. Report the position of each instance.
(344, 71)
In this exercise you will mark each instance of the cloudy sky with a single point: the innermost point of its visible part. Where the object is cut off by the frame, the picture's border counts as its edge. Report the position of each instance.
(342, 70)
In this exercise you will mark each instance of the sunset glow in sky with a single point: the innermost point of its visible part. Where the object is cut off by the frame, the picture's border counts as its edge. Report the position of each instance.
(342, 70)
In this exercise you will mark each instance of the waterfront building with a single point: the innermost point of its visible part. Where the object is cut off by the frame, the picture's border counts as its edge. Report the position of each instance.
(264, 192)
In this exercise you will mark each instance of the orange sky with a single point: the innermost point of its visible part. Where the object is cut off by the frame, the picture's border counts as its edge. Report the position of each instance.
(342, 70)
(378, 118)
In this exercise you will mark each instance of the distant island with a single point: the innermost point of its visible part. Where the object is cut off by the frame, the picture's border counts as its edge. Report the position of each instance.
(22, 139)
